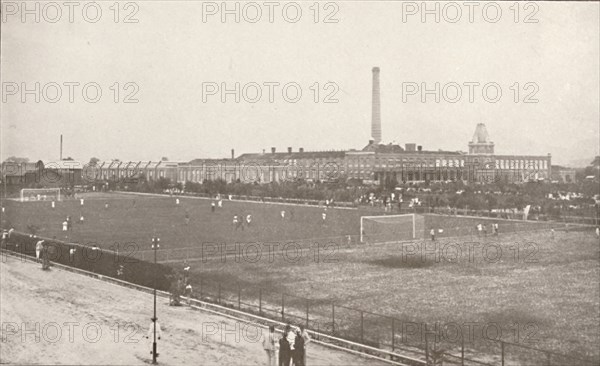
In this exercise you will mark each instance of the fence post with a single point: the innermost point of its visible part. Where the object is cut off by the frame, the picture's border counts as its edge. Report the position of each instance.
(332, 318)
(502, 349)
(282, 307)
(361, 326)
(393, 334)
(462, 351)
(239, 297)
(201, 286)
(307, 313)
(260, 301)
(219, 298)
(426, 347)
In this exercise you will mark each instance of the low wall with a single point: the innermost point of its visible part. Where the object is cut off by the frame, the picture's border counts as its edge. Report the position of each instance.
(99, 261)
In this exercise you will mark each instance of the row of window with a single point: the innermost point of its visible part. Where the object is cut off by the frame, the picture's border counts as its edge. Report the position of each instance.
(357, 168)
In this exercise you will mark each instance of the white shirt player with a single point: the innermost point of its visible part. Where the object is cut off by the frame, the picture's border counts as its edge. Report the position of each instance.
(65, 224)
(81, 201)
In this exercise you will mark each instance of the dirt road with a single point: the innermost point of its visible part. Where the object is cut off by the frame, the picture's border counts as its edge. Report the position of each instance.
(58, 317)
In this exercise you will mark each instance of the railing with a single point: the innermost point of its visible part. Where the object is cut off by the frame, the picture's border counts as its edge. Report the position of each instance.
(377, 331)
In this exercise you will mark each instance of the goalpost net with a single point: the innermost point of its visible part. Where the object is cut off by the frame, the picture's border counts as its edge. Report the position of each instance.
(389, 228)
(40, 194)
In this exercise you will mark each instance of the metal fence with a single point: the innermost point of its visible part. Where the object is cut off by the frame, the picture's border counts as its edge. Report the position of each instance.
(376, 330)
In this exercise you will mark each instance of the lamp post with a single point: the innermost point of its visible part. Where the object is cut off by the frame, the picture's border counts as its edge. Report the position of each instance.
(155, 246)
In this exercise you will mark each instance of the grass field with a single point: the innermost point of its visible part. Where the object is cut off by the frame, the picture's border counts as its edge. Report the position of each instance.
(131, 218)
(546, 296)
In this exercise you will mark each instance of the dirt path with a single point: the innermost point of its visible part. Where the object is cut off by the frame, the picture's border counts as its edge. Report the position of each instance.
(58, 317)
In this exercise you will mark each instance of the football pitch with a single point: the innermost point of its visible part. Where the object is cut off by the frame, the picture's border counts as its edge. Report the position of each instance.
(135, 219)
(539, 289)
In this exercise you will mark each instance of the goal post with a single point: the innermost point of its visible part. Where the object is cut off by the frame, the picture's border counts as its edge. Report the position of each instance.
(384, 228)
(40, 194)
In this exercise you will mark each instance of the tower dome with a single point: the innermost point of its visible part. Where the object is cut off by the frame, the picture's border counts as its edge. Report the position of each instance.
(481, 144)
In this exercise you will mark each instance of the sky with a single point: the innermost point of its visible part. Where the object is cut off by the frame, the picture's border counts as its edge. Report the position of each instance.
(179, 52)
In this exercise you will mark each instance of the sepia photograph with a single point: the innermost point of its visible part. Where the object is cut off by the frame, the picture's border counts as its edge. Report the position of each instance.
(300, 183)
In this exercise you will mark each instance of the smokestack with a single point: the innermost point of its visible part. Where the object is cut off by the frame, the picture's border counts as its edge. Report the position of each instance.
(61, 147)
(419, 148)
(232, 154)
(289, 150)
(272, 150)
(301, 149)
(376, 109)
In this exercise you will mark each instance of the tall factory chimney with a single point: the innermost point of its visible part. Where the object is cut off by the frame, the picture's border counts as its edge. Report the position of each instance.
(61, 147)
(232, 154)
(376, 111)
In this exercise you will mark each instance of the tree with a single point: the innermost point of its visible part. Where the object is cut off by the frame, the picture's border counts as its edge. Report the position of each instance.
(163, 183)
(164, 158)
(14, 159)
(94, 161)
(492, 202)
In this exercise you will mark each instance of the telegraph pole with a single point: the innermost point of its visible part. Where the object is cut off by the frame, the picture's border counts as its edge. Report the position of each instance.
(155, 246)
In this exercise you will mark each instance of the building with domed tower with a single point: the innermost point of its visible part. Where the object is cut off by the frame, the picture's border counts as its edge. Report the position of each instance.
(481, 144)
(377, 163)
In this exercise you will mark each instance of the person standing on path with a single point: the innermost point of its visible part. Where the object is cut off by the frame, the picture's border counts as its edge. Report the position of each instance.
(269, 346)
(39, 246)
(306, 337)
